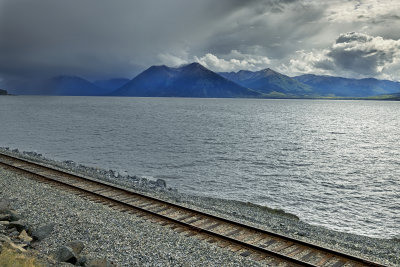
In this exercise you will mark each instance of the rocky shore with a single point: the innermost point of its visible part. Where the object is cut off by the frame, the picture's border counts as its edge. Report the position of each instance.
(126, 240)
(18, 239)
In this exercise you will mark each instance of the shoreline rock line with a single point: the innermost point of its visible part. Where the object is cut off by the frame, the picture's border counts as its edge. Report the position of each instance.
(126, 239)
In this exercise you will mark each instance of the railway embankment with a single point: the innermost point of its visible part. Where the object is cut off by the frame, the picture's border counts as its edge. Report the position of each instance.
(128, 240)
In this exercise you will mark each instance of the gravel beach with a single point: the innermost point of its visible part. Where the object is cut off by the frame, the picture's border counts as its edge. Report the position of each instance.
(128, 240)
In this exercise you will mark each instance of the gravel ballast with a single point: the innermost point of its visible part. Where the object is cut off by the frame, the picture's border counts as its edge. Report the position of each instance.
(131, 241)
(123, 238)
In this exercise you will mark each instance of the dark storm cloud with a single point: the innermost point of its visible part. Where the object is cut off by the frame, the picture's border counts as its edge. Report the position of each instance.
(263, 25)
(368, 55)
(90, 36)
(354, 55)
(102, 38)
(353, 37)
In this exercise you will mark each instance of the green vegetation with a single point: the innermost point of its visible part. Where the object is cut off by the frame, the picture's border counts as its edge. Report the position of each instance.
(3, 92)
(12, 258)
(385, 97)
(279, 95)
(275, 94)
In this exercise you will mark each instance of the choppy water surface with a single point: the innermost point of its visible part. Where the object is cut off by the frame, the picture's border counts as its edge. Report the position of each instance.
(332, 163)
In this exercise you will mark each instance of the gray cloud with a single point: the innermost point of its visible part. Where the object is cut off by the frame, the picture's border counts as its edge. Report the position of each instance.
(101, 38)
(352, 55)
(234, 61)
(364, 54)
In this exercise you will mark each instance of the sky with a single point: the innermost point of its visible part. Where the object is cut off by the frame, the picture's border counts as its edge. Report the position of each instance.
(99, 39)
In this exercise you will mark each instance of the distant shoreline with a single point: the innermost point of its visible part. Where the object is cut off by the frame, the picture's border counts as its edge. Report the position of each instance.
(378, 98)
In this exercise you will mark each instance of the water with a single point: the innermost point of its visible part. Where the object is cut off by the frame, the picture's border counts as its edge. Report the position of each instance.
(332, 163)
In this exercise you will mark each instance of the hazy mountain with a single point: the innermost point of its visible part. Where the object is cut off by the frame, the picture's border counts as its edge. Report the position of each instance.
(59, 85)
(337, 86)
(192, 80)
(73, 86)
(111, 84)
(268, 81)
(3, 92)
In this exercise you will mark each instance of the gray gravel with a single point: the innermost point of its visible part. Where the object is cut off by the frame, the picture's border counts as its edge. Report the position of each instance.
(130, 241)
(123, 238)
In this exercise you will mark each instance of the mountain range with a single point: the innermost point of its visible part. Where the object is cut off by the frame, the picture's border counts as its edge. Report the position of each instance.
(194, 80)
(73, 86)
(111, 84)
(344, 87)
(268, 81)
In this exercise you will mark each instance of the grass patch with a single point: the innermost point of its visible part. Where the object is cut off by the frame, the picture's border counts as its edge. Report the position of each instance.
(12, 258)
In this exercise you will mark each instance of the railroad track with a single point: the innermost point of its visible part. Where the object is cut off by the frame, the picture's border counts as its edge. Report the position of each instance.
(246, 240)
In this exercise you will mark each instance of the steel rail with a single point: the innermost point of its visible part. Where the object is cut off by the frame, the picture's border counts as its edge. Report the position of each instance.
(107, 186)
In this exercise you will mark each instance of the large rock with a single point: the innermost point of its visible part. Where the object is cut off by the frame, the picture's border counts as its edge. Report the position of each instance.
(43, 232)
(4, 238)
(65, 254)
(14, 216)
(77, 246)
(5, 217)
(4, 223)
(82, 261)
(25, 237)
(161, 183)
(14, 233)
(9, 215)
(19, 225)
(4, 205)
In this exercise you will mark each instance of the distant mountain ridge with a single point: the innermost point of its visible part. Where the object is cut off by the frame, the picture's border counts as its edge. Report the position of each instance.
(347, 87)
(195, 80)
(268, 81)
(64, 85)
(73, 86)
(111, 84)
(192, 80)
